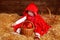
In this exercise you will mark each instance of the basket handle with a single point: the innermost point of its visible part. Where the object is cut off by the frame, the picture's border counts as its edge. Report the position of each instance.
(28, 21)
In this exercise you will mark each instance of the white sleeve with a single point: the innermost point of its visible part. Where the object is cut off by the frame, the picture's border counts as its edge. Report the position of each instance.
(20, 20)
(18, 30)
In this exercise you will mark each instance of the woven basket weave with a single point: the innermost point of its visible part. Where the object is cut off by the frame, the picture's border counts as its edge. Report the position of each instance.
(27, 32)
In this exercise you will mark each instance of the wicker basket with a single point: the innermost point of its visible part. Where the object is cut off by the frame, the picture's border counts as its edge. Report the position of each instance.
(27, 32)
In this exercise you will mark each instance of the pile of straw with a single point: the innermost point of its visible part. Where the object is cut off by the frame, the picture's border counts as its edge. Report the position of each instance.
(54, 31)
(6, 31)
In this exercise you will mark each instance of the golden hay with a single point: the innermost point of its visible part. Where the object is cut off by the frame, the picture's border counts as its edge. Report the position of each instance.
(6, 20)
(6, 31)
(6, 35)
(48, 19)
(54, 32)
(54, 19)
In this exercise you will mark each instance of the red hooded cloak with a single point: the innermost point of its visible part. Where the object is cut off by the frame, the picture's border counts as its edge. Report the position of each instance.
(41, 27)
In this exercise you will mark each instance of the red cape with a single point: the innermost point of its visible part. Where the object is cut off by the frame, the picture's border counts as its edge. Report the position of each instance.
(41, 26)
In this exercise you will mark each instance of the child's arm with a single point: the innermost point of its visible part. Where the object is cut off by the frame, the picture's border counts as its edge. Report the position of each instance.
(20, 20)
(18, 24)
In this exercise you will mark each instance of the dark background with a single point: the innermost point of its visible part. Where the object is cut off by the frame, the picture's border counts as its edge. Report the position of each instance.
(19, 5)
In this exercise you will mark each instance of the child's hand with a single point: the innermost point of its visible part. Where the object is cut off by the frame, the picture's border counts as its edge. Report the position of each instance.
(18, 30)
(36, 37)
(13, 24)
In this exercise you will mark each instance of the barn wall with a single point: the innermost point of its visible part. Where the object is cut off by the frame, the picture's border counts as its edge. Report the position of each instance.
(19, 5)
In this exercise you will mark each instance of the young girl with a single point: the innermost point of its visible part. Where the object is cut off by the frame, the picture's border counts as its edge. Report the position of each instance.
(31, 14)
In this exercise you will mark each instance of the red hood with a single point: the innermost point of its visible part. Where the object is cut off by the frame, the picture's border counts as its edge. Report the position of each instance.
(31, 7)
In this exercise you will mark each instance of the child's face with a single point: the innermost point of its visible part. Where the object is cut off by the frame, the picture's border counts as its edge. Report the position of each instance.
(30, 13)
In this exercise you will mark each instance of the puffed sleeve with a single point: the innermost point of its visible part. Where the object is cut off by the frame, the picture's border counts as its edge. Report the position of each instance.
(18, 23)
